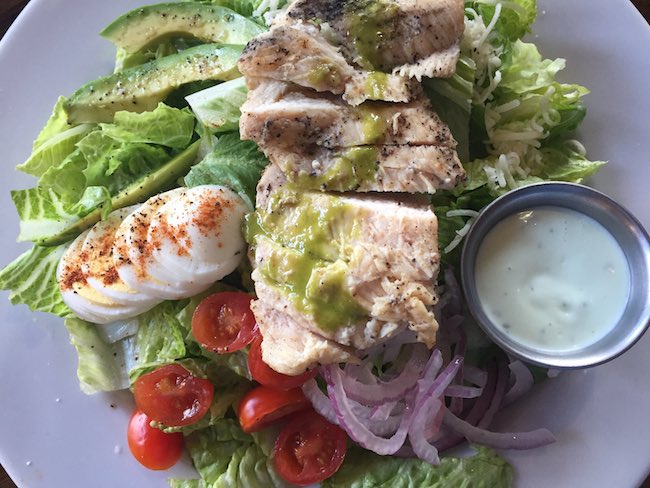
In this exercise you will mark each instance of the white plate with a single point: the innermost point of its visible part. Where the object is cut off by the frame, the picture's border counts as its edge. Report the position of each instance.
(52, 435)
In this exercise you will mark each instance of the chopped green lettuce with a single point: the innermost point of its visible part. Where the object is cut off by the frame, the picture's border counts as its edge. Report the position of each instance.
(57, 123)
(101, 366)
(42, 213)
(54, 150)
(515, 17)
(225, 457)
(233, 163)
(218, 107)
(165, 126)
(31, 278)
(95, 164)
(451, 98)
(160, 338)
(363, 469)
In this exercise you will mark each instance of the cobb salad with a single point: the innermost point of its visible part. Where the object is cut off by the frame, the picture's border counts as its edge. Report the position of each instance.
(508, 95)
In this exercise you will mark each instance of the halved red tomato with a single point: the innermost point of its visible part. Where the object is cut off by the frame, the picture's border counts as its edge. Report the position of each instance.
(223, 322)
(152, 447)
(263, 406)
(266, 376)
(309, 449)
(173, 396)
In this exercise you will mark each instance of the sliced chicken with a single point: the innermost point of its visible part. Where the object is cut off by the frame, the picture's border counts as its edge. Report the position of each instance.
(401, 168)
(281, 114)
(414, 38)
(301, 55)
(376, 258)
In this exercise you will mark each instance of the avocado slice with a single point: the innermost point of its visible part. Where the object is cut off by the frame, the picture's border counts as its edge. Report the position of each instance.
(148, 25)
(139, 191)
(141, 88)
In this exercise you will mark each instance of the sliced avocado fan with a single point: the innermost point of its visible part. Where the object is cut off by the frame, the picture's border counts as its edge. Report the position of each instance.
(141, 88)
(148, 25)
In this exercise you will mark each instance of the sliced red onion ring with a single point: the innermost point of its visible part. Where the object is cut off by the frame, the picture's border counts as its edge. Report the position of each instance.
(460, 391)
(427, 403)
(503, 375)
(418, 432)
(524, 381)
(387, 391)
(474, 375)
(361, 372)
(320, 401)
(476, 413)
(381, 412)
(498, 440)
(355, 427)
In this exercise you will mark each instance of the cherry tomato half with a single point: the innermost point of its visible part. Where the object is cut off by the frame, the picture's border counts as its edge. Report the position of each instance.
(266, 376)
(223, 322)
(173, 396)
(309, 449)
(263, 406)
(153, 448)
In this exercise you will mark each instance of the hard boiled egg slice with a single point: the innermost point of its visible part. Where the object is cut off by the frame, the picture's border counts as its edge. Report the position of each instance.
(99, 267)
(198, 235)
(132, 253)
(86, 302)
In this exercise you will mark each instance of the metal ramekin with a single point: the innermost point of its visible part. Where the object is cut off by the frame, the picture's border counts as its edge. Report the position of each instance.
(627, 231)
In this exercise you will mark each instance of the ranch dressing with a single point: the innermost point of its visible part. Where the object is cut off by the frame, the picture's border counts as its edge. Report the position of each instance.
(552, 278)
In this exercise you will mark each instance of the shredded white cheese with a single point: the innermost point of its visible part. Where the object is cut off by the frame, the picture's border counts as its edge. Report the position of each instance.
(462, 232)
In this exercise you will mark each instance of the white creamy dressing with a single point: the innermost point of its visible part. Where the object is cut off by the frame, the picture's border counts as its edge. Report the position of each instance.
(552, 278)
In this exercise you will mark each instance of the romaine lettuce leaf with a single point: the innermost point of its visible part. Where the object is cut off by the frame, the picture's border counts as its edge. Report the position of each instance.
(93, 165)
(160, 338)
(116, 165)
(101, 366)
(32, 280)
(166, 126)
(225, 457)
(57, 123)
(42, 213)
(451, 99)
(515, 19)
(363, 469)
(54, 150)
(232, 163)
(218, 107)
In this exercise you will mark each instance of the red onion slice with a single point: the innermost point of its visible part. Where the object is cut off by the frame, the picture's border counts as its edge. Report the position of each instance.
(524, 381)
(503, 376)
(461, 391)
(320, 401)
(474, 375)
(498, 440)
(386, 391)
(419, 434)
(381, 412)
(354, 426)
(428, 402)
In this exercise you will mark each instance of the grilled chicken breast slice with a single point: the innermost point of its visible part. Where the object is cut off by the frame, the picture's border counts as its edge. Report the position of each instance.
(282, 114)
(382, 168)
(412, 37)
(381, 254)
(300, 54)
